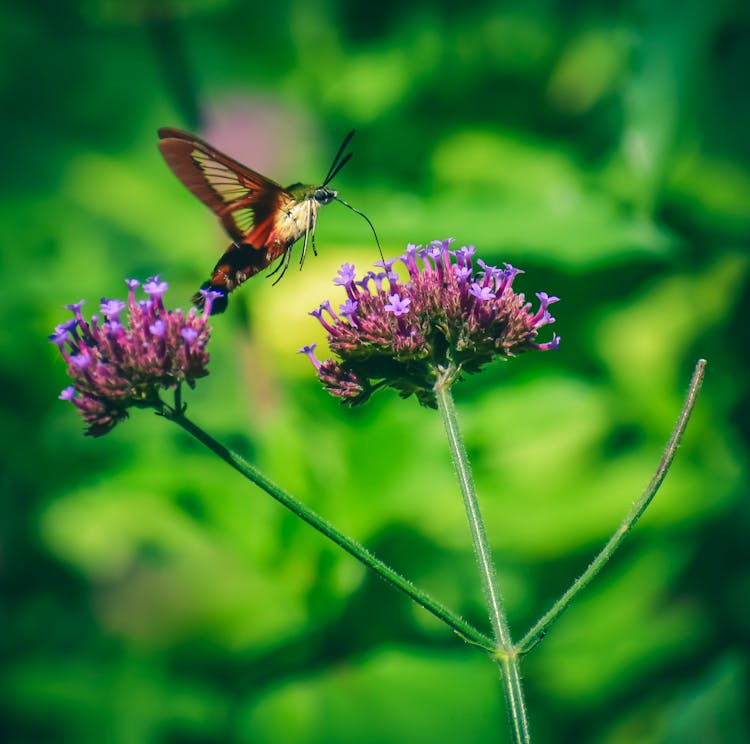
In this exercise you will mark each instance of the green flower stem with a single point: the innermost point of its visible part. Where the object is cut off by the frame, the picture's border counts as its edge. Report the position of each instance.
(536, 633)
(505, 654)
(459, 625)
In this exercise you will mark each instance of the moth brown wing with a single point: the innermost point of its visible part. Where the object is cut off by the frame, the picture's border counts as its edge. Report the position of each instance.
(240, 197)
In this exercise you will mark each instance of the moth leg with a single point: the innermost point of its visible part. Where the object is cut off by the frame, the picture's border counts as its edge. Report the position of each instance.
(308, 228)
(283, 265)
(312, 232)
(304, 243)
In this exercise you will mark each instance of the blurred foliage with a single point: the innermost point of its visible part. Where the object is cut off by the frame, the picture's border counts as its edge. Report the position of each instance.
(150, 595)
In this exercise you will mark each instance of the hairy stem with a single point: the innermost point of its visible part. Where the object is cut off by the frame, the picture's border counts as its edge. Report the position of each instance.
(459, 625)
(506, 655)
(536, 633)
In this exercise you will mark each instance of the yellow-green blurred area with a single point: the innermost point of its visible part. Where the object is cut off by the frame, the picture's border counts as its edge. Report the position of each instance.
(151, 596)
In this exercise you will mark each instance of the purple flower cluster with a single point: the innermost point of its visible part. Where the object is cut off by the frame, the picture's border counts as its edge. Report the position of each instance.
(115, 366)
(448, 318)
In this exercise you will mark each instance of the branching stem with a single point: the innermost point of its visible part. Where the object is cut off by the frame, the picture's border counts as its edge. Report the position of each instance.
(459, 625)
(506, 655)
(539, 630)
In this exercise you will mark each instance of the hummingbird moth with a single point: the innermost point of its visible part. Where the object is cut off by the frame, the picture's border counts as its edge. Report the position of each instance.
(263, 219)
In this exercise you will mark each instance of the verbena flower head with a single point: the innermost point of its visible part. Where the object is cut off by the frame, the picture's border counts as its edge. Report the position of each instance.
(449, 317)
(116, 365)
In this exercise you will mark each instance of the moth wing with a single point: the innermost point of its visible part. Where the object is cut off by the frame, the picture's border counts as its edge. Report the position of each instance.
(240, 197)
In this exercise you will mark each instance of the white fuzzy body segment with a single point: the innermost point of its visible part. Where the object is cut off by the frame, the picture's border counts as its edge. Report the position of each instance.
(296, 220)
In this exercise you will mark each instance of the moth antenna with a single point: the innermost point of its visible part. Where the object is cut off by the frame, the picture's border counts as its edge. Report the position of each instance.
(335, 165)
(332, 175)
(367, 220)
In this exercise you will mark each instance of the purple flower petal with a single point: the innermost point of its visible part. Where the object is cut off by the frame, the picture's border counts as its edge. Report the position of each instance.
(398, 306)
(154, 288)
(481, 292)
(386, 265)
(319, 315)
(75, 307)
(64, 332)
(159, 328)
(464, 254)
(310, 351)
(111, 309)
(81, 361)
(348, 308)
(117, 364)
(462, 273)
(209, 297)
(345, 276)
(552, 345)
(451, 319)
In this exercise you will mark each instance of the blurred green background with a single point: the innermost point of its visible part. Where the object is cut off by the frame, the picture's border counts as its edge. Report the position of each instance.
(151, 595)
